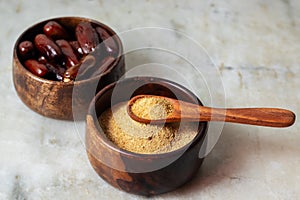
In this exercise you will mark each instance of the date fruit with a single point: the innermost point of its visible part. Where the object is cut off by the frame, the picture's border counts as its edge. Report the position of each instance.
(82, 70)
(56, 72)
(42, 59)
(63, 54)
(55, 31)
(47, 48)
(76, 47)
(71, 73)
(86, 37)
(109, 43)
(26, 49)
(67, 50)
(36, 68)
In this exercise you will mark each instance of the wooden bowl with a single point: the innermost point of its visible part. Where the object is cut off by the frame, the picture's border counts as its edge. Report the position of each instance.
(55, 99)
(143, 174)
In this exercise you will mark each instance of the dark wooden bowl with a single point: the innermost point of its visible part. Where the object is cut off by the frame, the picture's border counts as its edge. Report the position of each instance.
(53, 98)
(143, 174)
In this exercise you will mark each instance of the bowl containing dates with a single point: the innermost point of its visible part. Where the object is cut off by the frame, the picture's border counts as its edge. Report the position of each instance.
(60, 63)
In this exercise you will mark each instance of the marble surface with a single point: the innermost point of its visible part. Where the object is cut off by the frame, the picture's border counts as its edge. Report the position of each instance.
(255, 46)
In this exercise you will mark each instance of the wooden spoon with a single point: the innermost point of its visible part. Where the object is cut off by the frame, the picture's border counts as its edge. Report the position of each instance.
(184, 111)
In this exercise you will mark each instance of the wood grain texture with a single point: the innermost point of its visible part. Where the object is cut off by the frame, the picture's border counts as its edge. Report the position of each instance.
(185, 111)
(53, 98)
(143, 174)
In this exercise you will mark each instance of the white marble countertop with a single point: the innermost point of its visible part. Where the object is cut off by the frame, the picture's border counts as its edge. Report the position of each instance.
(254, 44)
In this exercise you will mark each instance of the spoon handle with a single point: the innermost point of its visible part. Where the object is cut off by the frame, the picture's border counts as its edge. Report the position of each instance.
(181, 110)
(273, 117)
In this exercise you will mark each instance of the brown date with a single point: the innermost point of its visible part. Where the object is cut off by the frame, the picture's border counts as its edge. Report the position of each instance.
(76, 48)
(36, 68)
(89, 67)
(56, 72)
(42, 59)
(86, 37)
(110, 45)
(55, 31)
(67, 50)
(71, 73)
(26, 49)
(83, 69)
(54, 55)
(47, 48)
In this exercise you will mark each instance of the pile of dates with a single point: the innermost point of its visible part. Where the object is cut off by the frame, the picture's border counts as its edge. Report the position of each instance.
(57, 54)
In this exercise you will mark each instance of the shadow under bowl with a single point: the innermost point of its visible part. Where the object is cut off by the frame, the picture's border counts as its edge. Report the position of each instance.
(57, 99)
(142, 174)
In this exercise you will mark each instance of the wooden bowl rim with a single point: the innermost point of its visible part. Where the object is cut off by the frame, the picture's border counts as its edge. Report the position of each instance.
(198, 138)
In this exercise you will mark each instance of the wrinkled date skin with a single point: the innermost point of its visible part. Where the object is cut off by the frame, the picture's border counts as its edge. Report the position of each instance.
(83, 69)
(86, 37)
(67, 50)
(76, 48)
(47, 48)
(89, 67)
(110, 45)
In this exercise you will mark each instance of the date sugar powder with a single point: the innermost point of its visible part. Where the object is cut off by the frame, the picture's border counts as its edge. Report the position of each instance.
(145, 138)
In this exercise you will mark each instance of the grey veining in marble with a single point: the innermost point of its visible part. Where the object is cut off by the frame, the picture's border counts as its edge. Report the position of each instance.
(255, 46)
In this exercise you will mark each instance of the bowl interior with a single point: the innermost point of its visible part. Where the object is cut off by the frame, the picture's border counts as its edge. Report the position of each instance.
(127, 88)
(69, 23)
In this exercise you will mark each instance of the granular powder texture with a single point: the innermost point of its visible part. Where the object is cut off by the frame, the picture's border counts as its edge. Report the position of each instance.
(144, 138)
(152, 108)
